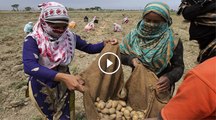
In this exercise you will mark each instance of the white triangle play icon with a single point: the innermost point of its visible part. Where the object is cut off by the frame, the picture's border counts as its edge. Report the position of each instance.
(109, 63)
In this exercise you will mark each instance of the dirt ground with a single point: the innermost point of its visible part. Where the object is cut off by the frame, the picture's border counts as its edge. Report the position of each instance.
(13, 103)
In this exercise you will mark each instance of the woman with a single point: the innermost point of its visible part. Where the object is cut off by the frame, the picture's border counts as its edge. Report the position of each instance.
(117, 27)
(152, 43)
(47, 52)
(28, 27)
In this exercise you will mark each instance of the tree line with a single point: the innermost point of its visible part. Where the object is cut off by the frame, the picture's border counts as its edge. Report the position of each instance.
(15, 7)
(97, 8)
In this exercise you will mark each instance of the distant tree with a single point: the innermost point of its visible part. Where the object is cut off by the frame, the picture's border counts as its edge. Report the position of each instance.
(97, 8)
(70, 9)
(80, 9)
(15, 6)
(28, 8)
(92, 8)
(87, 9)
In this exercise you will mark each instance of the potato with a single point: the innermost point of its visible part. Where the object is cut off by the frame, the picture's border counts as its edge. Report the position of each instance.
(105, 111)
(114, 104)
(119, 107)
(126, 113)
(135, 117)
(128, 118)
(141, 116)
(106, 117)
(123, 118)
(123, 109)
(132, 113)
(118, 118)
(122, 103)
(112, 110)
(145, 111)
(103, 119)
(96, 104)
(117, 110)
(112, 116)
(129, 108)
(109, 104)
(97, 99)
(119, 114)
(139, 112)
(101, 105)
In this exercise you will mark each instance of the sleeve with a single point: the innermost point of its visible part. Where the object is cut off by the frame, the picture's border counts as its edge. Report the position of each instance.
(193, 100)
(30, 61)
(191, 12)
(88, 48)
(126, 60)
(177, 64)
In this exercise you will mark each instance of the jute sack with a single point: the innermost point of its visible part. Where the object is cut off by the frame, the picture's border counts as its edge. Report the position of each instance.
(99, 84)
(142, 93)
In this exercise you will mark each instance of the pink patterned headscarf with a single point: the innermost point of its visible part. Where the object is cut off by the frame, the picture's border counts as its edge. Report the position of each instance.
(53, 51)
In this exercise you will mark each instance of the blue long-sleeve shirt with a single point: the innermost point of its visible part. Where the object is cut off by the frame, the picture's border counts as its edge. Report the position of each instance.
(31, 53)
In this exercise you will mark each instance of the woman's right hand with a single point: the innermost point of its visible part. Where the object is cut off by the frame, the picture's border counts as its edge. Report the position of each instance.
(113, 41)
(135, 62)
(72, 82)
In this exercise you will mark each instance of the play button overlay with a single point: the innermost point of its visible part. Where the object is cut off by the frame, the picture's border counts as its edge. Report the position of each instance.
(109, 63)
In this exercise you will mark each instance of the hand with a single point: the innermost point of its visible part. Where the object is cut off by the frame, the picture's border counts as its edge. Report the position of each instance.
(135, 62)
(72, 82)
(112, 41)
(80, 80)
(163, 84)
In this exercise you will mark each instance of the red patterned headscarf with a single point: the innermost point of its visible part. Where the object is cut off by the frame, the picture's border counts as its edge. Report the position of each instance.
(54, 51)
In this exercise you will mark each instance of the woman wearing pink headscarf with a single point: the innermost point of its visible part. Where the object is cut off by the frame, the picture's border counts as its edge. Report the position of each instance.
(47, 52)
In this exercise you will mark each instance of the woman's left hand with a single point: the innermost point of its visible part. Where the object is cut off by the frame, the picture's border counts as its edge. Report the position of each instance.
(112, 41)
(163, 84)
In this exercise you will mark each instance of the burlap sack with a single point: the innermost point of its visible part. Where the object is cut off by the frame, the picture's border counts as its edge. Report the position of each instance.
(142, 94)
(98, 84)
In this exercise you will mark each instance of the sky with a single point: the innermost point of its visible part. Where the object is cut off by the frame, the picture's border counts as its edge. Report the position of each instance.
(104, 4)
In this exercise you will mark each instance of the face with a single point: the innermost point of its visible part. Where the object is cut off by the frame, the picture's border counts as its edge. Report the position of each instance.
(154, 18)
(58, 27)
(55, 29)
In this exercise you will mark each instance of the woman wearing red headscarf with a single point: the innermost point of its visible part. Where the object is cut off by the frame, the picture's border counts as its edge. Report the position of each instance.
(47, 52)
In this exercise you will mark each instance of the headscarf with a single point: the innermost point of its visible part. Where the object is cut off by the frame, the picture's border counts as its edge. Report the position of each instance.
(28, 27)
(72, 25)
(152, 44)
(53, 51)
(208, 52)
(125, 20)
(117, 27)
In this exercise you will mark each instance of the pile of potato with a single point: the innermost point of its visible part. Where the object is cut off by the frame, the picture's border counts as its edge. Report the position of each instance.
(117, 110)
